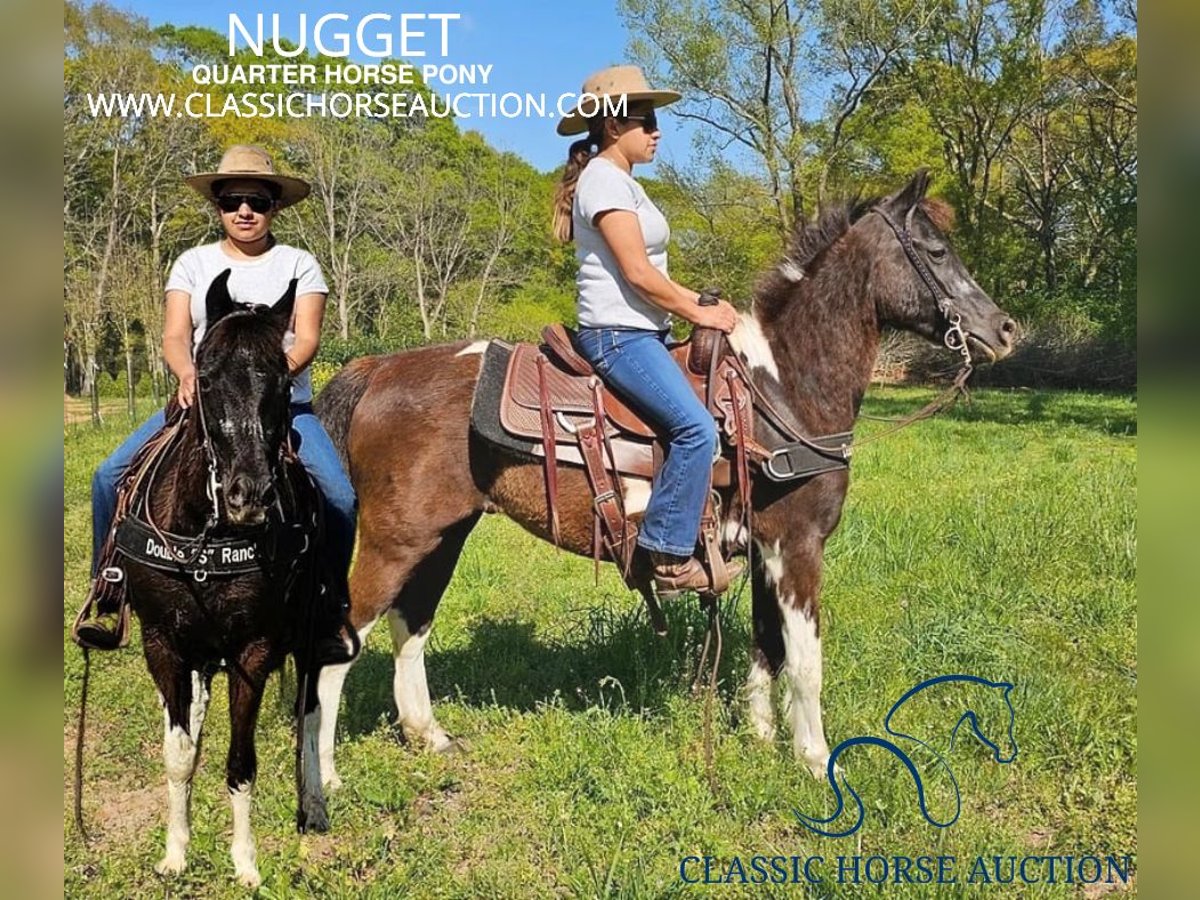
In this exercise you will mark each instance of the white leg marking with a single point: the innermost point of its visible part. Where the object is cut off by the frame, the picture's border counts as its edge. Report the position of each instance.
(748, 340)
(473, 349)
(772, 562)
(733, 533)
(802, 659)
(329, 695)
(411, 690)
(313, 795)
(245, 857)
(636, 492)
(758, 692)
(180, 750)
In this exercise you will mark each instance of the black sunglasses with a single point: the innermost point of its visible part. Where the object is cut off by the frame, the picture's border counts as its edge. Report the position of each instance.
(649, 121)
(233, 202)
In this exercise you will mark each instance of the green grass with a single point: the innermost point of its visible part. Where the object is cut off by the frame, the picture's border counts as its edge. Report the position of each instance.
(997, 540)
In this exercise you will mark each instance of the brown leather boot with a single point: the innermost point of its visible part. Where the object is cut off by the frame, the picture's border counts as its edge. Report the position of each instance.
(675, 574)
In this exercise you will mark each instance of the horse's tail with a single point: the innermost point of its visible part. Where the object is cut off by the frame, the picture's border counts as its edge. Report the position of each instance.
(336, 403)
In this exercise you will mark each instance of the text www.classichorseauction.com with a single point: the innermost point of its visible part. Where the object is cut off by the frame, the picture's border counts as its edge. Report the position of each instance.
(977, 702)
(305, 86)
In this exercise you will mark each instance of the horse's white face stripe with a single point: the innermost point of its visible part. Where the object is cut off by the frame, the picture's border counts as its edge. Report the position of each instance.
(636, 492)
(473, 349)
(749, 341)
(245, 857)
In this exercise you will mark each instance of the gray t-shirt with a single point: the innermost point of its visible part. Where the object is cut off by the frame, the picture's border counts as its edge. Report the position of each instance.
(261, 280)
(606, 299)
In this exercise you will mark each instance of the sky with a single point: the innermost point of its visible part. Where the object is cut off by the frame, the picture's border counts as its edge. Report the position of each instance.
(533, 45)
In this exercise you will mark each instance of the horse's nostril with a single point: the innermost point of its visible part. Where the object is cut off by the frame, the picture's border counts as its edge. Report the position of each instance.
(1008, 330)
(239, 491)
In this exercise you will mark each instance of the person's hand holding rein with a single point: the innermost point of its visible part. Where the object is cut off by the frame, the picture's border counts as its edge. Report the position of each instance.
(721, 315)
(187, 389)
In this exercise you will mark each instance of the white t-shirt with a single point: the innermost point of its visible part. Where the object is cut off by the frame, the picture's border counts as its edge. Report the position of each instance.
(606, 299)
(261, 280)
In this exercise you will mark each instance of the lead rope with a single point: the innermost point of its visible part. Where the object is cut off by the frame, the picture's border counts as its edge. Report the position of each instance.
(79, 727)
(714, 641)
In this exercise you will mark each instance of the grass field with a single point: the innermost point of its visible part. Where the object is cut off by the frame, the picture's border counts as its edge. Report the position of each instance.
(997, 540)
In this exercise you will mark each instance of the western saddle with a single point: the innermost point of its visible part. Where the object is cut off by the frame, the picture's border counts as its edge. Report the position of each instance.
(553, 398)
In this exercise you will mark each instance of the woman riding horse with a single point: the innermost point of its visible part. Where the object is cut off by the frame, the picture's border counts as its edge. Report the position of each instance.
(626, 300)
(247, 194)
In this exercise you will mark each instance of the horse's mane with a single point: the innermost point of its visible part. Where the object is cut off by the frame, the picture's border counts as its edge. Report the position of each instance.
(811, 238)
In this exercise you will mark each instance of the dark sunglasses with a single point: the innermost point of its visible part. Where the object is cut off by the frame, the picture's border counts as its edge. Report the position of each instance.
(233, 202)
(649, 122)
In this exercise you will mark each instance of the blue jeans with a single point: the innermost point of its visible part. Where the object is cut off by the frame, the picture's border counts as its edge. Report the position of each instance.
(636, 366)
(315, 450)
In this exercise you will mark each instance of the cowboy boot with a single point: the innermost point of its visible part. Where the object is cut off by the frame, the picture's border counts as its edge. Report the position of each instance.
(100, 631)
(675, 574)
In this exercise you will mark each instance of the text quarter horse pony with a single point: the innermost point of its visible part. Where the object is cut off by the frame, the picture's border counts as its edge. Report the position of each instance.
(224, 478)
(423, 478)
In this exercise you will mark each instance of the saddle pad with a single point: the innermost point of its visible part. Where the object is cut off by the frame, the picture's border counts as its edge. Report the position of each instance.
(633, 457)
(570, 398)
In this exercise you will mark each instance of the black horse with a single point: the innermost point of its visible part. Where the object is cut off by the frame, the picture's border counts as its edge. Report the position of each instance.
(229, 575)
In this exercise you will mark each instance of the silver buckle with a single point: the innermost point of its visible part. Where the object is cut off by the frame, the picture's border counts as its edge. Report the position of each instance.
(113, 574)
(769, 466)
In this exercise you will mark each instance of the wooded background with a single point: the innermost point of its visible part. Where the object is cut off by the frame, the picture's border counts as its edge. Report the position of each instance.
(1025, 110)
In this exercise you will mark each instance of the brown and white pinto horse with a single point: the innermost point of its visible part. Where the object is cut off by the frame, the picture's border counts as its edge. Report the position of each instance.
(423, 478)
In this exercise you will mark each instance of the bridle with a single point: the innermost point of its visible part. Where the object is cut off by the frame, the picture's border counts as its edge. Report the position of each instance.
(214, 488)
(841, 447)
(955, 338)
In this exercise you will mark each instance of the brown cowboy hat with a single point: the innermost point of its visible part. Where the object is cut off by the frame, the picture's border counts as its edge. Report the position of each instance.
(248, 161)
(614, 81)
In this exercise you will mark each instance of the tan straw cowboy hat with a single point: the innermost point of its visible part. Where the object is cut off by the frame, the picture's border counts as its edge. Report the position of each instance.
(248, 161)
(614, 81)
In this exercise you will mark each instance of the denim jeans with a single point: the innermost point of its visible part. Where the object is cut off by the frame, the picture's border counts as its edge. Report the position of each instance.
(636, 366)
(314, 448)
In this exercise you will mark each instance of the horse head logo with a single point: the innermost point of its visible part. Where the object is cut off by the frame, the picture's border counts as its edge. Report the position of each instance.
(986, 708)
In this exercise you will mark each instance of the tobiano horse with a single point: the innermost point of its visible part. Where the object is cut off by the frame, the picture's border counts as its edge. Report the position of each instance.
(228, 577)
(424, 478)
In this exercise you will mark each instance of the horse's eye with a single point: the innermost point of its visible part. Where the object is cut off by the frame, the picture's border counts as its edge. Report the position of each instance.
(938, 254)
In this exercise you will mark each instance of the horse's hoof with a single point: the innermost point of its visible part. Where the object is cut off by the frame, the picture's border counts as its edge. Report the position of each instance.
(818, 764)
(314, 820)
(249, 878)
(170, 865)
(449, 746)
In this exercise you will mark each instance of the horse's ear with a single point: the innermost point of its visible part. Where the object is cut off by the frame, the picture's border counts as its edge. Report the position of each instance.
(217, 302)
(913, 192)
(283, 307)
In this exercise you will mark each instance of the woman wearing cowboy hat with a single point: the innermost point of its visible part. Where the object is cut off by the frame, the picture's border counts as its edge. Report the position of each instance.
(626, 300)
(246, 193)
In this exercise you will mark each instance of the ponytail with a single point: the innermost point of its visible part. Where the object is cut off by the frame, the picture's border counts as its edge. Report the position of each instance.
(579, 155)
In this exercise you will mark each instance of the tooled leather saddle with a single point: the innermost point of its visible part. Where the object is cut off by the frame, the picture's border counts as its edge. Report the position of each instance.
(546, 401)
